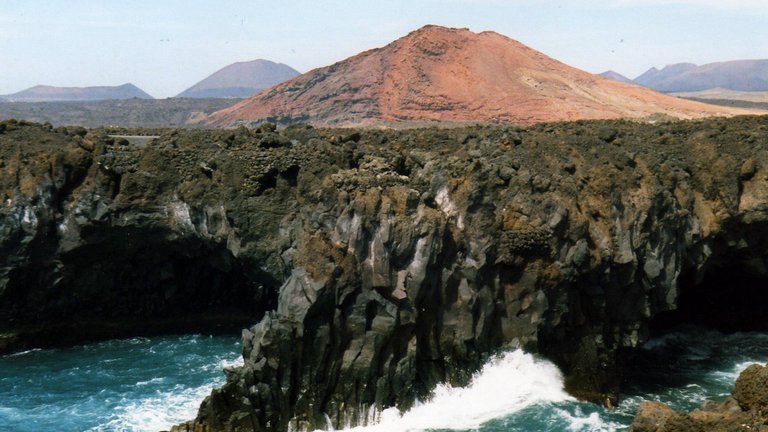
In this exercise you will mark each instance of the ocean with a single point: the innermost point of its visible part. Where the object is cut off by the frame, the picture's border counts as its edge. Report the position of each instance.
(149, 384)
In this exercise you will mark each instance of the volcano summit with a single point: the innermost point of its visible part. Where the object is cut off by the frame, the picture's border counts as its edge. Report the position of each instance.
(438, 74)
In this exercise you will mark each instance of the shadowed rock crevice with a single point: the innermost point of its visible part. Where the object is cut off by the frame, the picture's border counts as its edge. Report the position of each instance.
(128, 281)
(727, 292)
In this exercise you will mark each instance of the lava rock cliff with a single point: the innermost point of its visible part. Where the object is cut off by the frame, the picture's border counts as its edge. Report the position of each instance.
(371, 265)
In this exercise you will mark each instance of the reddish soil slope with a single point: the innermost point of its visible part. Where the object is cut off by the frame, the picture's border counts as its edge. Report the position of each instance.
(437, 74)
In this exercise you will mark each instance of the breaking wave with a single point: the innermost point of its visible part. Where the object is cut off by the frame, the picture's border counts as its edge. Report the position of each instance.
(507, 384)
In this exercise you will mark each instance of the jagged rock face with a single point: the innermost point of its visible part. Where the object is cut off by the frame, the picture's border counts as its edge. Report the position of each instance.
(745, 410)
(96, 243)
(376, 264)
(438, 75)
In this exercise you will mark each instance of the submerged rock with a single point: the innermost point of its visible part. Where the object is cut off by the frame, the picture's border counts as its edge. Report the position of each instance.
(370, 265)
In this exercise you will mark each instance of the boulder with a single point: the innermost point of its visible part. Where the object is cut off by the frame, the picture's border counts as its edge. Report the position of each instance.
(744, 410)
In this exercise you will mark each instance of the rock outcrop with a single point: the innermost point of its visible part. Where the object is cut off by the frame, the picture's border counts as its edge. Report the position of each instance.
(373, 265)
(442, 75)
(745, 410)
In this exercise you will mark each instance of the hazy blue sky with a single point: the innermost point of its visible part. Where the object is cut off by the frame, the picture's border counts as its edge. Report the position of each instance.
(165, 46)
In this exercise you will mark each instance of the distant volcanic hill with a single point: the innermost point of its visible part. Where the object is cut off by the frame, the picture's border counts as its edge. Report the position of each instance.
(437, 74)
(615, 76)
(652, 77)
(241, 80)
(44, 93)
(740, 75)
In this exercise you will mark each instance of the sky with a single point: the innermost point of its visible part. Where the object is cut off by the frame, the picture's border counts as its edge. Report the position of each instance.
(166, 46)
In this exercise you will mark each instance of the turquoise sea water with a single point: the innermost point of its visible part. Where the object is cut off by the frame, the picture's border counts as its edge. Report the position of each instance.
(138, 384)
(148, 384)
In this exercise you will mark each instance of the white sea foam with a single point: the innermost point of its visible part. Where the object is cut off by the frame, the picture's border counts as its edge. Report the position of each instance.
(8, 411)
(505, 385)
(151, 381)
(226, 363)
(580, 422)
(23, 353)
(742, 366)
(165, 408)
(157, 413)
(729, 376)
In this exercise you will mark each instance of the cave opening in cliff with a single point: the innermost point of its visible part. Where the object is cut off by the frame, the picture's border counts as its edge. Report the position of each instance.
(729, 295)
(130, 282)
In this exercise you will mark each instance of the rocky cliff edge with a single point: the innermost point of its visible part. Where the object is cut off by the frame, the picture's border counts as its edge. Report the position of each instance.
(372, 265)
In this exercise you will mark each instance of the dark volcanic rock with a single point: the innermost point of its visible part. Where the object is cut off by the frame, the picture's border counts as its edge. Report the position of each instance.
(128, 113)
(745, 410)
(373, 265)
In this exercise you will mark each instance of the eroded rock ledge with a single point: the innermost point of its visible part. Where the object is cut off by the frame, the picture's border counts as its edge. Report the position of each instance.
(373, 265)
(745, 410)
